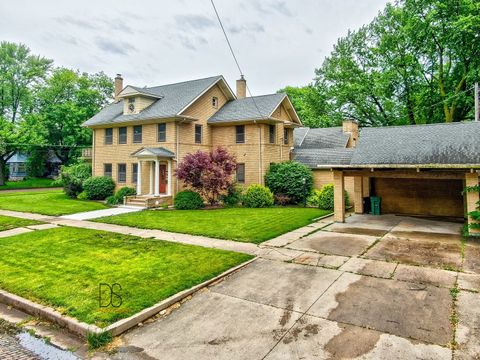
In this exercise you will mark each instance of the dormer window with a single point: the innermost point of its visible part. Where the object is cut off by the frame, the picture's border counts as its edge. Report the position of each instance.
(215, 102)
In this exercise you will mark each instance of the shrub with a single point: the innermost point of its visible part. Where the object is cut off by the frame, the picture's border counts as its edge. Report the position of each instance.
(326, 196)
(72, 178)
(258, 196)
(99, 187)
(314, 198)
(188, 200)
(120, 194)
(82, 196)
(282, 199)
(287, 178)
(36, 165)
(233, 196)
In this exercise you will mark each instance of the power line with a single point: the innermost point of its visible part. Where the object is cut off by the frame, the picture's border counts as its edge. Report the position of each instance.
(235, 58)
(48, 145)
(451, 97)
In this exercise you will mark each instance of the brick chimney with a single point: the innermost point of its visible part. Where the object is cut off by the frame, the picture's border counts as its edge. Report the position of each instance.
(241, 87)
(118, 85)
(350, 126)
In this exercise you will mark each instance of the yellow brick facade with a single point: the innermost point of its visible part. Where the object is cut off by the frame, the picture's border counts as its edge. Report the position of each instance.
(257, 153)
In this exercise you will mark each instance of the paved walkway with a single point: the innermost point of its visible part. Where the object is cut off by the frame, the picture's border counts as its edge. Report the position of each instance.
(95, 214)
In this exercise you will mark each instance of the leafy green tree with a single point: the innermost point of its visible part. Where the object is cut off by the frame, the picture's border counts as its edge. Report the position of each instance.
(20, 71)
(64, 102)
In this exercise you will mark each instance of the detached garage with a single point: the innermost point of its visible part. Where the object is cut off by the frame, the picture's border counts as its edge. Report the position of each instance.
(417, 170)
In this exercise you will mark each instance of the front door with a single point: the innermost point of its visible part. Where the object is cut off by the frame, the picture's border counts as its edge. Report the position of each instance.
(163, 179)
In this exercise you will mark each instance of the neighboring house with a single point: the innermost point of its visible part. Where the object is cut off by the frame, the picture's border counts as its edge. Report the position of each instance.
(418, 169)
(17, 166)
(139, 139)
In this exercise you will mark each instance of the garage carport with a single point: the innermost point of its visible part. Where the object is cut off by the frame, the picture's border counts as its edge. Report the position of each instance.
(416, 170)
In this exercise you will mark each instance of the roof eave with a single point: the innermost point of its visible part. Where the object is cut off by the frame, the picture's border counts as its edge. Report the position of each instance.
(400, 166)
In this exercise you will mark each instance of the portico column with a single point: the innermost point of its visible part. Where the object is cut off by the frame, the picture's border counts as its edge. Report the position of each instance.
(157, 177)
(471, 198)
(358, 194)
(338, 196)
(152, 170)
(139, 177)
(169, 185)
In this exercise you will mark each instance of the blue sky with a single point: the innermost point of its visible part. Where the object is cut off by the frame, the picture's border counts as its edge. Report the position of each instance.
(277, 42)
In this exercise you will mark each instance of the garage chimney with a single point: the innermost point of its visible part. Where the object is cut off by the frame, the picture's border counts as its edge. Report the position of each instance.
(118, 86)
(350, 126)
(241, 87)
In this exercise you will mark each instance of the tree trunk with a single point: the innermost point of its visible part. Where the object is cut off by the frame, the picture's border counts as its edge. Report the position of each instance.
(2, 172)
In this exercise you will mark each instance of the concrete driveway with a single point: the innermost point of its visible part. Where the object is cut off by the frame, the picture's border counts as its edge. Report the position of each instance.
(374, 287)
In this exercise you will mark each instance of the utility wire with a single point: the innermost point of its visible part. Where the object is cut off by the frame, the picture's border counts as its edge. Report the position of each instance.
(235, 58)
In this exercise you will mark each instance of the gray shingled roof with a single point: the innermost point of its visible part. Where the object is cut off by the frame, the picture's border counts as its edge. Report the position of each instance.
(320, 138)
(314, 157)
(159, 151)
(174, 98)
(249, 108)
(454, 143)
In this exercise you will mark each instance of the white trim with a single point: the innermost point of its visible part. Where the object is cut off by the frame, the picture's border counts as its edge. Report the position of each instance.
(157, 178)
(139, 177)
(203, 93)
(151, 177)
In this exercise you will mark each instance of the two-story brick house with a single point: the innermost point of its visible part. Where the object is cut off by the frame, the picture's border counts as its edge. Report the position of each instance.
(139, 139)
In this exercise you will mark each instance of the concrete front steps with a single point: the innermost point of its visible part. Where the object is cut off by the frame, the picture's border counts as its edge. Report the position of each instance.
(147, 201)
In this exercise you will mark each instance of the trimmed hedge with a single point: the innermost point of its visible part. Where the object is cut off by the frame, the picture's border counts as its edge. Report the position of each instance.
(258, 196)
(188, 200)
(99, 187)
(287, 178)
(120, 194)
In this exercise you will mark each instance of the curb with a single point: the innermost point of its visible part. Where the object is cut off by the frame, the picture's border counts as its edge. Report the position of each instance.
(83, 329)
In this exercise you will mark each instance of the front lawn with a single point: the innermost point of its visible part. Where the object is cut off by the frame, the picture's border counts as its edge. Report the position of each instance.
(8, 222)
(50, 202)
(64, 267)
(30, 183)
(240, 224)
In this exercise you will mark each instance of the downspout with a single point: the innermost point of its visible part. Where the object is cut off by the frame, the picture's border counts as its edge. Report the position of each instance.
(281, 146)
(93, 152)
(260, 162)
(177, 149)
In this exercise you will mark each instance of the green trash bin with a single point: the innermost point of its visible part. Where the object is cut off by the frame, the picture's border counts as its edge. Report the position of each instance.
(375, 205)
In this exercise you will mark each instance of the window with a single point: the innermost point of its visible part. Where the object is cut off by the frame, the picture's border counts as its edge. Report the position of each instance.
(162, 132)
(241, 173)
(134, 173)
(107, 170)
(215, 102)
(198, 134)
(240, 134)
(122, 173)
(122, 135)
(137, 134)
(285, 136)
(109, 136)
(131, 100)
(271, 133)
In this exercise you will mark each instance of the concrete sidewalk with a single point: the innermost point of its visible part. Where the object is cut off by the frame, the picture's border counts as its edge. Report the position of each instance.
(95, 214)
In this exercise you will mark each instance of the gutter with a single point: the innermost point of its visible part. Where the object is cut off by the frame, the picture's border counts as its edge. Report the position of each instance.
(401, 166)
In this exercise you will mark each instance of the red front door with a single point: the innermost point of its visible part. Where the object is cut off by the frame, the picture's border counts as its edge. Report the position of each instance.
(162, 188)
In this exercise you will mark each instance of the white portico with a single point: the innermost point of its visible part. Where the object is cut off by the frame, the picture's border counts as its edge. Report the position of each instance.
(159, 176)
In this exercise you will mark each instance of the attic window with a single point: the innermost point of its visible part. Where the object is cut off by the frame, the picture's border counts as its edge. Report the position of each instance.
(215, 102)
(131, 100)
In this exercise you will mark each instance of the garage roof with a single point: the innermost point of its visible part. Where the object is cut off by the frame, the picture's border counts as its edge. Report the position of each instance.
(432, 144)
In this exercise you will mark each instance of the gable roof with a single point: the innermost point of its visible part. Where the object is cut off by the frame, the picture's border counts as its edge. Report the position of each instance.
(172, 100)
(248, 108)
(159, 151)
(441, 144)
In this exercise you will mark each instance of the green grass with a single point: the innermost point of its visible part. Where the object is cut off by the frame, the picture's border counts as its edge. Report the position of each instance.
(64, 267)
(8, 222)
(30, 183)
(239, 224)
(51, 202)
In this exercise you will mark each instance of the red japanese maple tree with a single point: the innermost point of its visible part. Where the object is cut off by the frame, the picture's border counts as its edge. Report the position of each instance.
(208, 173)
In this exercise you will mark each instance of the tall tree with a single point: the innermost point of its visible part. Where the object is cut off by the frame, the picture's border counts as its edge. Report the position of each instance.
(20, 71)
(64, 102)
(415, 63)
